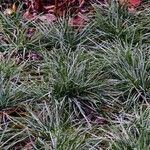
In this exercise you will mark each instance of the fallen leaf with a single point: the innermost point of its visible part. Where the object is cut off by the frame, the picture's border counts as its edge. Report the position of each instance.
(50, 8)
(27, 15)
(81, 2)
(132, 9)
(30, 32)
(32, 56)
(78, 21)
(48, 18)
(123, 2)
(14, 7)
(8, 11)
(135, 3)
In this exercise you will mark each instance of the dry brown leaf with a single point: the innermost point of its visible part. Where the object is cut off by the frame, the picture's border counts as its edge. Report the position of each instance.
(123, 2)
(27, 15)
(14, 7)
(50, 8)
(47, 18)
(8, 11)
(78, 21)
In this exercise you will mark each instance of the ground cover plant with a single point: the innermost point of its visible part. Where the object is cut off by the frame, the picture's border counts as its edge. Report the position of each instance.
(74, 75)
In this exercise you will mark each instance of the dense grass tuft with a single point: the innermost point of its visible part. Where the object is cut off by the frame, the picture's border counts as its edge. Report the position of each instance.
(63, 88)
